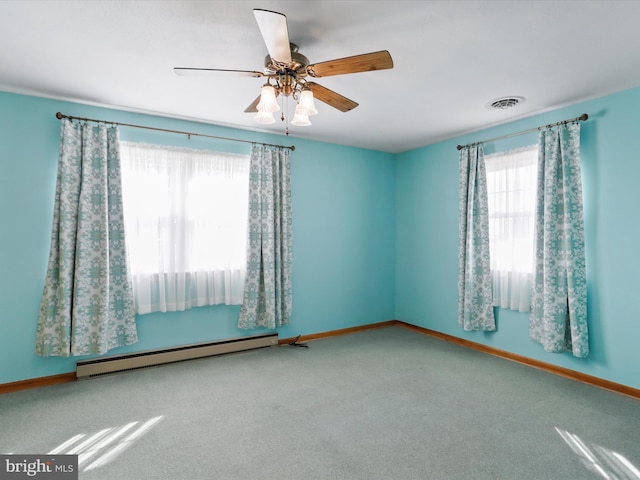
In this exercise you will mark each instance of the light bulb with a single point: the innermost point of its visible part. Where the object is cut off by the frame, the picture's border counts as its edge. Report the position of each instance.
(306, 105)
(300, 120)
(264, 117)
(268, 101)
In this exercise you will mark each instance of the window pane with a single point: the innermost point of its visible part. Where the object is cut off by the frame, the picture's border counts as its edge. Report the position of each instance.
(186, 219)
(511, 186)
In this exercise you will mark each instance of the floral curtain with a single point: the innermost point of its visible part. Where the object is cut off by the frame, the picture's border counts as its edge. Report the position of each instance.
(267, 290)
(87, 304)
(475, 297)
(558, 318)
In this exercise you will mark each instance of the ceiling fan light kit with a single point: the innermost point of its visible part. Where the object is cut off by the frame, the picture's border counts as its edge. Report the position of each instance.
(286, 70)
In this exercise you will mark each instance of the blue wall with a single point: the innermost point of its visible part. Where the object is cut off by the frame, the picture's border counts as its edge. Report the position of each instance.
(375, 235)
(343, 215)
(427, 238)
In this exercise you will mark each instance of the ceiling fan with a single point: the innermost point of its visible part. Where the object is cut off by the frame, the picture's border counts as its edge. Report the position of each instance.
(286, 72)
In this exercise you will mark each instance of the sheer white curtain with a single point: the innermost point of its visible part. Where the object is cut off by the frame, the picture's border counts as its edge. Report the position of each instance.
(186, 225)
(511, 186)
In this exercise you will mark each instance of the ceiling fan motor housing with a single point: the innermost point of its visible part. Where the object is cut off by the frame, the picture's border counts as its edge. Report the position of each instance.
(298, 65)
(289, 73)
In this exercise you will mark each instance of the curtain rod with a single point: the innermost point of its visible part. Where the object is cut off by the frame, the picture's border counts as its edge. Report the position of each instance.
(582, 117)
(60, 116)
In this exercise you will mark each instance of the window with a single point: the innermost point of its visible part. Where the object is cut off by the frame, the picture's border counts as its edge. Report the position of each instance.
(511, 186)
(186, 225)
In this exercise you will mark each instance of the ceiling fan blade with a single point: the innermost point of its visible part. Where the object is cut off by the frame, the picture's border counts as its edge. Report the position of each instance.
(273, 26)
(331, 98)
(254, 106)
(359, 63)
(189, 71)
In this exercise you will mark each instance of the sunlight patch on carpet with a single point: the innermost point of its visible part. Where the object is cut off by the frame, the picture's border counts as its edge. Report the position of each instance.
(608, 464)
(98, 449)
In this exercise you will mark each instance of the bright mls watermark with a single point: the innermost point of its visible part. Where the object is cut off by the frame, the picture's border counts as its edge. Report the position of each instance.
(50, 467)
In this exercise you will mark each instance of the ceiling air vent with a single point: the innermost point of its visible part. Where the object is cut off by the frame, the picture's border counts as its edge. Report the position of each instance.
(504, 103)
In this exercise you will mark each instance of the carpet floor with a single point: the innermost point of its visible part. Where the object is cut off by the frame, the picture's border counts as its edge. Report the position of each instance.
(379, 404)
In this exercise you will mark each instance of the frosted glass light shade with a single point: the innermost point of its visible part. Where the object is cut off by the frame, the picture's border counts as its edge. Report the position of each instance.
(300, 120)
(306, 105)
(268, 101)
(264, 117)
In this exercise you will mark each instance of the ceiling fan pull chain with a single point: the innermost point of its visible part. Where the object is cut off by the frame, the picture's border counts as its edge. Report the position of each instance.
(283, 117)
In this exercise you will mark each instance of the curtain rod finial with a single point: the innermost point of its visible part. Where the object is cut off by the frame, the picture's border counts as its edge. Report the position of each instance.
(459, 147)
(59, 116)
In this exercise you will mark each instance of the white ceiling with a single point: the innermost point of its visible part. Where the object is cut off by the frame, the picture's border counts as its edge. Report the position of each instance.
(450, 59)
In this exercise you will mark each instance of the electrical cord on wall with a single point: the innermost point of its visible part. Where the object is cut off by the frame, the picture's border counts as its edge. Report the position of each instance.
(296, 344)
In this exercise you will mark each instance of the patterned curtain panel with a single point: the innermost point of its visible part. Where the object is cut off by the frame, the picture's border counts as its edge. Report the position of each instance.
(87, 305)
(267, 289)
(475, 296)
(558, 318)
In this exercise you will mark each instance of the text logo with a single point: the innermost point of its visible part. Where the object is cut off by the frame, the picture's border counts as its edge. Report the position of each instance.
(50, 467)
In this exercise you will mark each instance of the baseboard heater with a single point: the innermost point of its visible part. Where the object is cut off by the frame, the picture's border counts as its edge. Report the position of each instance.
(150, 358)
